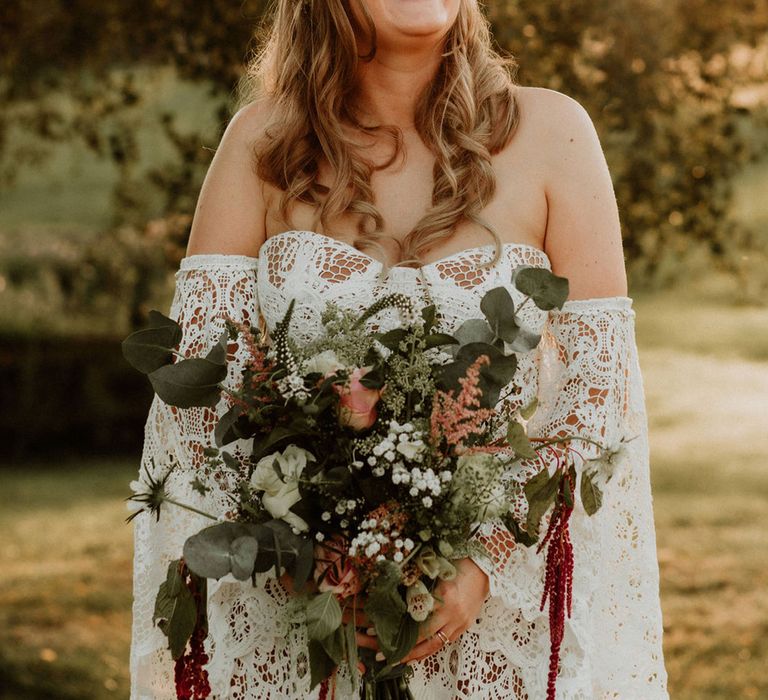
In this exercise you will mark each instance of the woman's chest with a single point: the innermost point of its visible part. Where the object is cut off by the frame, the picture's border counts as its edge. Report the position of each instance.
(313, 270)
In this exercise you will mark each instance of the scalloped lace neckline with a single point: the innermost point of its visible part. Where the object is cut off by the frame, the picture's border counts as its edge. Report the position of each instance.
(458, 254)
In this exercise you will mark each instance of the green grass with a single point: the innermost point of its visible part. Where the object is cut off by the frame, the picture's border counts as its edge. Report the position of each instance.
(65, 593)
(66, 554)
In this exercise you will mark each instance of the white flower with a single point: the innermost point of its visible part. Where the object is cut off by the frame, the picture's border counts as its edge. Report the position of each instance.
(419, 601)
(410, 450)
(325, 362)
(280, 495)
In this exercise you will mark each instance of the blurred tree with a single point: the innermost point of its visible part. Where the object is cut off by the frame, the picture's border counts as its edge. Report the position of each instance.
(673, 86)
(674, 90)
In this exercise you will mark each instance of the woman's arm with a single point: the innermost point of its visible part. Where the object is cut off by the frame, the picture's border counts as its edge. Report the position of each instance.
(218, 278)
(230, 213)
(583, 242)
(583, 234)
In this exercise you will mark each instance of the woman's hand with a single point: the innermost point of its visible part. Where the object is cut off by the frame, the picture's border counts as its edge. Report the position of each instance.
(463, 597)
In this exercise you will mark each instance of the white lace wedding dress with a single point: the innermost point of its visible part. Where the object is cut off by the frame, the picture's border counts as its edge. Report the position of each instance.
(586, 376)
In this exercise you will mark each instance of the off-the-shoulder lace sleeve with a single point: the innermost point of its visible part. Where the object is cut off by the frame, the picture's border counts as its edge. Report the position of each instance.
(207, 288)
(589, 384)
(256, 640)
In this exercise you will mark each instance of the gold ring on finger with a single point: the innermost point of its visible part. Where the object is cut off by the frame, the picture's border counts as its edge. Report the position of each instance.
(442, 636)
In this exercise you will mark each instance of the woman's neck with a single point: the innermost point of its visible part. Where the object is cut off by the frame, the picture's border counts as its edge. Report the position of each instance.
(389, 86)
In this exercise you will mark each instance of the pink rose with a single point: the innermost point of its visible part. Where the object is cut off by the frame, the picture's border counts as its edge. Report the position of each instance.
(357, 403)
(341, 577)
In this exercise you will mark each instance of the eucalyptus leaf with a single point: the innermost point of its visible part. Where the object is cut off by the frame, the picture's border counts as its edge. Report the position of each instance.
(303, 565)
(522, 536)
(385, 606)
(547, 290)
(567, 491)
(218, 352)
(190, 382)
(223, 548)
(428, 314)
(226, 427)
(243, 551)
(524, 341)
(392, 339)
(434, 340)
(278, 435)
(493, 376)
(150, 348)
(499, 308)
(405, 638)
(474, 330)
(374, 378)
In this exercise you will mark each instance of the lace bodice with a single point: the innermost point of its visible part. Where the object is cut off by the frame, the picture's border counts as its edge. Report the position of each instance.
(587, 379)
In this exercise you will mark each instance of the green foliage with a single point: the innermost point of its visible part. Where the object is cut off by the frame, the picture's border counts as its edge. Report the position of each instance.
(677, 114)
(540, 491)
(244, 549)
(678, 117)
(175, 609)
(518, 440)
(591, 496)
(546, 290)
(323, 615)
(670, 112)
(150, 348)
(396, 630)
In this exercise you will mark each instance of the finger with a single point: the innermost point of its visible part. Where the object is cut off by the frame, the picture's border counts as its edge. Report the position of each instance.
(361, 667)
(364, 640)
(429, 646)
(437, 620)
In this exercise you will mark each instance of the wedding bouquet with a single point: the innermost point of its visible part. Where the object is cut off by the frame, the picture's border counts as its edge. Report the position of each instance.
(376, 456)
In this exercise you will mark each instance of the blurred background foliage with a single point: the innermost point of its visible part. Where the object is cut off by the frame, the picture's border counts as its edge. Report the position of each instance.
(109, 115)
(110, 112)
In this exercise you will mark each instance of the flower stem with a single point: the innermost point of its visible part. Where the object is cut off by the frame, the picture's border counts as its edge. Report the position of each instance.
(190, 508)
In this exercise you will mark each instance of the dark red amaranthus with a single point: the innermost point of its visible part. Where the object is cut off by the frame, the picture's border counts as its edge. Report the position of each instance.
(558, 581)
(190, 674)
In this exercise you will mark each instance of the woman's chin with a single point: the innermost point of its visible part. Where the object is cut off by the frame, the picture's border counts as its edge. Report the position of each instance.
(419, 17)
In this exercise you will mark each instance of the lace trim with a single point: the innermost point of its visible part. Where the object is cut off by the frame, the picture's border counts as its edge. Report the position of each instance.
(212, 261)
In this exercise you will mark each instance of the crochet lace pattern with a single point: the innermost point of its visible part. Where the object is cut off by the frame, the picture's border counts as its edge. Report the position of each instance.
(586, 376)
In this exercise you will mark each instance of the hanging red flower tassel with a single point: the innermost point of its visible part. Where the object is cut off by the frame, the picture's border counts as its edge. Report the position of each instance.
(190, 675)
(558, 581)
(329, 684)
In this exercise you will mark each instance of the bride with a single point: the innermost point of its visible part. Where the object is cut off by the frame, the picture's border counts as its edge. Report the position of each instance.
(382, 145)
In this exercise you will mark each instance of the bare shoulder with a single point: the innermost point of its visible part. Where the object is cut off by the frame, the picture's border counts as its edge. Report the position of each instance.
(583, 233)
(230, 211)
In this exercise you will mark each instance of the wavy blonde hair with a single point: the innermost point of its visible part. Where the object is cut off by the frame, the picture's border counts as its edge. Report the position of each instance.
(306, 64)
